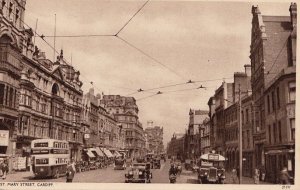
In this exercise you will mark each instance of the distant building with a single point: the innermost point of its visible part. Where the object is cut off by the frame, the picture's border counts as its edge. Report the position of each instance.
(175, 147)
(125, 111)
(155, 139)
(193, 136)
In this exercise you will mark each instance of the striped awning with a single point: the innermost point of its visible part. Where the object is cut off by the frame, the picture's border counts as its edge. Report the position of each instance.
(90, 154)
(117, 154)
(107, 152)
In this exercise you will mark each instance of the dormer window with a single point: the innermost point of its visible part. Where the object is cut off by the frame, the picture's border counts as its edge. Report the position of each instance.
(3, 4)
(17, 15)
(10, 9)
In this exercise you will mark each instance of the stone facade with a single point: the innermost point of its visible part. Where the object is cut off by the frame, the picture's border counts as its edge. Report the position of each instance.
(155, 139)
(125, 111)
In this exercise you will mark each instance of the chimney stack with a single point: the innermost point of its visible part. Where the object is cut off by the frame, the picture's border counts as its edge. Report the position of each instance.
(248, 70)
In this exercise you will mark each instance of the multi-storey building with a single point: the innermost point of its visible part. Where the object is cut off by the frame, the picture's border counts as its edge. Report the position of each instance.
(223, 98)
(273, 60)
(212, 121)
(176, 146)
(155, 139)
(12, 44)
(205, 137)
(100, 127)
(47, 95)
(193, 137)
(125, 111)
(247, 136)
(240, 84)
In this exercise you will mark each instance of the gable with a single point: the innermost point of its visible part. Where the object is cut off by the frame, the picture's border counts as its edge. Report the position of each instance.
(58, 73)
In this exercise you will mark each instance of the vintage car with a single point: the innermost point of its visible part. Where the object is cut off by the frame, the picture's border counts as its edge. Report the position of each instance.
(139, 173)
(156, 163)
(211, 169)
(120, 164)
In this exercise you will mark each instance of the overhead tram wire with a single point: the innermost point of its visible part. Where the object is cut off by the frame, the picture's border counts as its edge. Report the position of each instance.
(47, 43)
(132, 17)
(167, 92)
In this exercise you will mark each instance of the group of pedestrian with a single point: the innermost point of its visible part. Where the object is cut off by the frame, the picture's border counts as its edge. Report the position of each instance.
(259, 175)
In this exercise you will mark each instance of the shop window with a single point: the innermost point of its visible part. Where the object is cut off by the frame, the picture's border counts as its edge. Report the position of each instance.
(292, 91)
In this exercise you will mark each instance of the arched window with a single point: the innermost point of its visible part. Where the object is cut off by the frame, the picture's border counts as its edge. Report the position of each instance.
(55, 89)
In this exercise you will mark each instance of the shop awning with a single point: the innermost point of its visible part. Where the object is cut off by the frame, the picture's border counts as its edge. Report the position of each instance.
(107, 153)
(90, 154)
(99, 152)
(117, 154)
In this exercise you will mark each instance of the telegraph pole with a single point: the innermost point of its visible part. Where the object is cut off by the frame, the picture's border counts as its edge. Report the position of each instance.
(240, 137)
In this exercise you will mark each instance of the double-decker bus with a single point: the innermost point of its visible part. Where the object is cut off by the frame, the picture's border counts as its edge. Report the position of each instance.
(49, 157)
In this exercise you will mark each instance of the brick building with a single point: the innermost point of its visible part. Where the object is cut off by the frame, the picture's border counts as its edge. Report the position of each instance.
(273, 60)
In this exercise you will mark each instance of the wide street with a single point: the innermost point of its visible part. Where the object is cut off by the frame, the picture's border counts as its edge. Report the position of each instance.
(106, 175)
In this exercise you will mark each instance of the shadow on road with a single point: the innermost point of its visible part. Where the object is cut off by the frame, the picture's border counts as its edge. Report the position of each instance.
(192, 181)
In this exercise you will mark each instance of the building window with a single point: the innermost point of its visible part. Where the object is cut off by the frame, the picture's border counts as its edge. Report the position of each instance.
(247, 115)
(292, 91)
(279, 131)
(248, 138)
(268, 102)
(275, 132)
(2, 87)
(292, 128)
(273, 101)
(242, 117)
(278, 97)
(270, 135)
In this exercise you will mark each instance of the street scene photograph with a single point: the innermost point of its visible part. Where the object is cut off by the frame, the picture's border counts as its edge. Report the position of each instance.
(148, 91)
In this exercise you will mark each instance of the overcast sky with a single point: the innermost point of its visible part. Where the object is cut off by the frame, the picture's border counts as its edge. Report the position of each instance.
(195, 40)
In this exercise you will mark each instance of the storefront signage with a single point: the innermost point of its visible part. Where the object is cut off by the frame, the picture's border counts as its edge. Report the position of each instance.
(4, 135)
(213, 157)
(39, 151)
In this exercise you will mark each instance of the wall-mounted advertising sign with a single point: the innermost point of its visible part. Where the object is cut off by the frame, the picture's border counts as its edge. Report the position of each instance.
(4, 136)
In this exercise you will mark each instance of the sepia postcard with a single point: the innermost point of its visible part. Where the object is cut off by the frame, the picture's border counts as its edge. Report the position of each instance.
(148, 94)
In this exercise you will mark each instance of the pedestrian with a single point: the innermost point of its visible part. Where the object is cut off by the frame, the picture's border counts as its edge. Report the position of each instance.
(262, 173)
(285, 177)
(234, 176)
(256, 176)
(70, 172)
(4, 169)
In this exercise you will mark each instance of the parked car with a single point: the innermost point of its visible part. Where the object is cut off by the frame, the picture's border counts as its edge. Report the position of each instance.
(211, 169)
(139, 173)
(120, 164)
